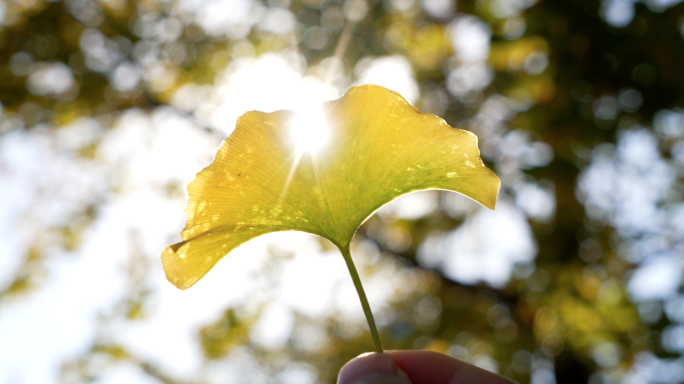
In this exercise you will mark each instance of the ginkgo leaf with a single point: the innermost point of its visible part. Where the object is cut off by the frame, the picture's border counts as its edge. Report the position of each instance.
(378, 148)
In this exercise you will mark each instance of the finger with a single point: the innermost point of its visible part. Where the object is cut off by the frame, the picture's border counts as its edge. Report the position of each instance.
(372, 368)
(423, 367)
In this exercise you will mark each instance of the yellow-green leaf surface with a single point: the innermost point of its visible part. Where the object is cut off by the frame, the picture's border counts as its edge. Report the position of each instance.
(379, 148)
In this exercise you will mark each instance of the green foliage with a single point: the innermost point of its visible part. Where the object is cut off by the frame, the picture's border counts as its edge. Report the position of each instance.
(562, 307)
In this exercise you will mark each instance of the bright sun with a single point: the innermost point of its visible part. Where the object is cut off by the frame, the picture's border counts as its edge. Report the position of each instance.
(309, 130)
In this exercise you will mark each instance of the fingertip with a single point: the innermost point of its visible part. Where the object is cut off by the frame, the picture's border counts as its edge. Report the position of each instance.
(437, 368)
(374, 368)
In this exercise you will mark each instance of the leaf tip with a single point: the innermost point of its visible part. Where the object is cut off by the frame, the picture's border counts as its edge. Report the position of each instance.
(174, 267)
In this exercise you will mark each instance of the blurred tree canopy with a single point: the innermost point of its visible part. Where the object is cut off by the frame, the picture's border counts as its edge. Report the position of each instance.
(579, 108)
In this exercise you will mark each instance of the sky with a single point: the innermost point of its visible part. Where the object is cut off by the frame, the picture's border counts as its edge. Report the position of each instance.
(46, 185)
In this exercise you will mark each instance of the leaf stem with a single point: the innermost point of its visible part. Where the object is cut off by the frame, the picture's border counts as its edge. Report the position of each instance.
(362, 296)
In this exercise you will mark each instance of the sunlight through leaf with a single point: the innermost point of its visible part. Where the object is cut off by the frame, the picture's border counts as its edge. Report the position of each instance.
(376, 147)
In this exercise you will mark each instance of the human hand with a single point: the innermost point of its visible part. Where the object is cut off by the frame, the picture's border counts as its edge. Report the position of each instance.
(414, 367)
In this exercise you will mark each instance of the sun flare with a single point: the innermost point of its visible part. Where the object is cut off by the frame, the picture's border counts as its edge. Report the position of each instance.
(309, 130)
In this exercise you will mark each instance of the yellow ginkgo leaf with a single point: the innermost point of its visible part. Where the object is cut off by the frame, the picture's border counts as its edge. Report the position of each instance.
(265, 178)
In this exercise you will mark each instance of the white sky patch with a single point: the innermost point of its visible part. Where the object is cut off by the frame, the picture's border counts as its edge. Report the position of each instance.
(677, 220)
(484, 248)
(653, 369)
(514, 27)
(470, 38)
(41, 187)
(468, 77)
(3, 10)
(274, 327)
(618, 13)
(298, 374)
(53, 323)
(269, 83)
(672, 338)
(231, 18)
(125, 77)
(657, 278)
(279, 21)
(83, 284)
(310, 280)
(392, 72)
(16, 169)
(536, 62)
(412, 206)
(169, 337)
(126, 373)
(190, 96)
(517, 146)
(670, 123)
(101, 54)
(50, 79)
(440, 9)
(627, 185)
(660, 5)
(537, 201)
